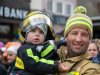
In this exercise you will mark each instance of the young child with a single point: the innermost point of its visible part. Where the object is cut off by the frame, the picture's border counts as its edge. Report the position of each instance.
(36, 55)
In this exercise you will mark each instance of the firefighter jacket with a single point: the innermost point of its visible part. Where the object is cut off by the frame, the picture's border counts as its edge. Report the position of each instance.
(80, 65)
(36, 60)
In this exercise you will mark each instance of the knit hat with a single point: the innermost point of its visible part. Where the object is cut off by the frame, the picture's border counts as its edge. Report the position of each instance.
(13, 49)
(79, 20)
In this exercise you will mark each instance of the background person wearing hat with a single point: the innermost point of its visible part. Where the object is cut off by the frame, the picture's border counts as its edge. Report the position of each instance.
(3, 70)
(11, 56)
(1, 52)
(78, 33)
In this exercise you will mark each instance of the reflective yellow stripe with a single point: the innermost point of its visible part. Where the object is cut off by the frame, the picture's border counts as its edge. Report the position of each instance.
(75, 73)
(25, 23)
(78, 22)
(36, 58)
(47, 50)
(20, 35)
(30, 54)
(79, 18)
(46, 61)
(19, 63)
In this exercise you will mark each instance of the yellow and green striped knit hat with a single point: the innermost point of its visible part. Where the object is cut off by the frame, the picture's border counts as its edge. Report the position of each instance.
(79, 20)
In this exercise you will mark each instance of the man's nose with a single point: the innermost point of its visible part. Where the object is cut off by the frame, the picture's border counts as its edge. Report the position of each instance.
(79, 38)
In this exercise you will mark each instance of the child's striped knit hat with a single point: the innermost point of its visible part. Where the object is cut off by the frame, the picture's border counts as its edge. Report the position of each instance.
(80, 20)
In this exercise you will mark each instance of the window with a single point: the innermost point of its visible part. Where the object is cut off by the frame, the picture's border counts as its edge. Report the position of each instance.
(60, 20)
(59, 7)
(49, 5)
(68, 9)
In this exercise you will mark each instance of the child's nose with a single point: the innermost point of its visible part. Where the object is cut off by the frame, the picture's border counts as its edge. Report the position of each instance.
(37, 33)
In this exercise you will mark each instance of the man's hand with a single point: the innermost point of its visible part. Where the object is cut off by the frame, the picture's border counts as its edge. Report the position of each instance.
(62, 52)
(63, 67)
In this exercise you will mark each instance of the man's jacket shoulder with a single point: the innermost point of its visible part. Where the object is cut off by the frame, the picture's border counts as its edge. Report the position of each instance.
(87, 66)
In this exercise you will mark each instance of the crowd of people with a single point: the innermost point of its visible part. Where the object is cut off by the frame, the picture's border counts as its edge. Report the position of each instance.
(37, 53)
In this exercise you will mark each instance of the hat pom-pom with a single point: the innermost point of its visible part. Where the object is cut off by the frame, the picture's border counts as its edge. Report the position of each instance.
(80, 9)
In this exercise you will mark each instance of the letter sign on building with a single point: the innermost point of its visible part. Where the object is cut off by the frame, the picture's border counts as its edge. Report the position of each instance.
(8, 12)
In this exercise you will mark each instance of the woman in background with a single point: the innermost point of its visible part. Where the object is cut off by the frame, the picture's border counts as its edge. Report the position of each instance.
(93, 52)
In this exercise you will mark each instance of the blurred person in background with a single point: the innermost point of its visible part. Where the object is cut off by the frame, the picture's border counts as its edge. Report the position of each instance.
(12, 52)
(3, 70)
(97, 41)
(93, 52)
(1, 51)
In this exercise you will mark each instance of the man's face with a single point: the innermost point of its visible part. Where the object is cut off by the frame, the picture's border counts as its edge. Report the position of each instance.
(77, 41)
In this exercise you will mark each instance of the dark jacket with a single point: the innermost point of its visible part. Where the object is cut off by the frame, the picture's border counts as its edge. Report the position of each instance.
(36, 59)
(96, 59)
(60, 43)
(11, 70)
(3, 70)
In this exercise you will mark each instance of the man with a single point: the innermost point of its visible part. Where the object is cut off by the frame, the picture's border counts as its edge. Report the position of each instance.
(78, 33)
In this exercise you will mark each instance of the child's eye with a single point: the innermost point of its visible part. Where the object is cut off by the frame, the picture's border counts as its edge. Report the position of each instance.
(33, 30)
(41, 31)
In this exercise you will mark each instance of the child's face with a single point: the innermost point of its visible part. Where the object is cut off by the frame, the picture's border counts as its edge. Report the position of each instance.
(35, 36)
(11, 57)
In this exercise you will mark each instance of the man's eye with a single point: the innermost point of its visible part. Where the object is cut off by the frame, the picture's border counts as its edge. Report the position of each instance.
(85, 35)
(74, 33)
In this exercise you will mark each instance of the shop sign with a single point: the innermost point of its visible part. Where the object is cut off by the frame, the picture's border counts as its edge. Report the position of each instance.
(13, 13)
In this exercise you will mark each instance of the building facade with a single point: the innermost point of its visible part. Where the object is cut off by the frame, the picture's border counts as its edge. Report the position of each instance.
(93, 11)
(12, 12)
(59, 10)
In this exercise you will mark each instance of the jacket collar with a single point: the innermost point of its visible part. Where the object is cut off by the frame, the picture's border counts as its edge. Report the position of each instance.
(76, 59)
